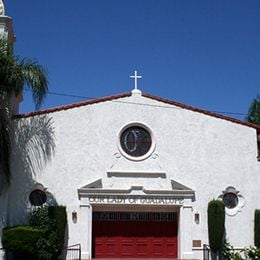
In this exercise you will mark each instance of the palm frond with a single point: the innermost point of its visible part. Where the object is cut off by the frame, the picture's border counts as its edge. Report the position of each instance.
(15, 73)
(35, 77)
(10, 74)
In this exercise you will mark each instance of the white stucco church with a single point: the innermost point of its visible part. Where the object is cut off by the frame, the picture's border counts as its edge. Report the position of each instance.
(135, 172)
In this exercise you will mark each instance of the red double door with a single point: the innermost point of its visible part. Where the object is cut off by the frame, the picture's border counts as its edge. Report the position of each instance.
(134, 239)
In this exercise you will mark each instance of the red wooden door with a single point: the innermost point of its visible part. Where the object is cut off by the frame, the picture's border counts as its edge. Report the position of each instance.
(135, 239)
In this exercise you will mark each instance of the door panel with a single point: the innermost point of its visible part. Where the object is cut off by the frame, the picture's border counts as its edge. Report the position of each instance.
(135, 239)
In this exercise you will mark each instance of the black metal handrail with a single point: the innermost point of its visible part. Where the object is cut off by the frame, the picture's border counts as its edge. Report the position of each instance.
(71, 252)
(206, 252)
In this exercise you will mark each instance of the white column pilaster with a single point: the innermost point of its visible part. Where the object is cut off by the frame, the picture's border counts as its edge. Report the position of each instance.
(86, 230)
(185, 232)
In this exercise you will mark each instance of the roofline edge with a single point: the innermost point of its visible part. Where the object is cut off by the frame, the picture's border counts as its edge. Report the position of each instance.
(123, 95)
(205, 112)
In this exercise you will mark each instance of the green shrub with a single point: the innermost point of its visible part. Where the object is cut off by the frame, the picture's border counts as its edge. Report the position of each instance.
(257, 228)
(59, 216)
(43, 239)
(46, 246)
(216, 224)
(21, 239)
(228, 252)
(39, 218)
(53, 220)
(252, 252)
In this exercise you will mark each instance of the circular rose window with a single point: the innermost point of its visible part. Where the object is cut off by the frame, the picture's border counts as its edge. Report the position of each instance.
(136, 142)
(230, 200)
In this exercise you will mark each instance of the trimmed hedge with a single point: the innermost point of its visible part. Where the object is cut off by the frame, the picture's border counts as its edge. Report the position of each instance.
(43, 239)
(21, 239)
(257, 228)
(216, 224)
(59, 216)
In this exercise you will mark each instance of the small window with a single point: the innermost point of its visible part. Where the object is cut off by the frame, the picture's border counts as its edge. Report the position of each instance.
(136, 141)
(233, 200)
(37, 197)
(230, 200)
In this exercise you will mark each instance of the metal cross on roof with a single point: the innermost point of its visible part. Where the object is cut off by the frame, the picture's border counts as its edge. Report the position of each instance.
(136, 77)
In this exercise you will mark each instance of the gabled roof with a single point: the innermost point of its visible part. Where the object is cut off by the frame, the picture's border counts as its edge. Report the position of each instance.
(118, 96)
(74, 105)
(199, 110)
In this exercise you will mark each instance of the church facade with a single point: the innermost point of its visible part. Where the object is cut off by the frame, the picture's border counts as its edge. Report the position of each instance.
(136, 173)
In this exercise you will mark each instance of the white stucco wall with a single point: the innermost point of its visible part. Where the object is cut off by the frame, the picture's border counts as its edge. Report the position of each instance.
(202, 152)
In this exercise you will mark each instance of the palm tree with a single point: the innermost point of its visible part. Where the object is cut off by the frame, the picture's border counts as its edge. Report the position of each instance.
(15, 74)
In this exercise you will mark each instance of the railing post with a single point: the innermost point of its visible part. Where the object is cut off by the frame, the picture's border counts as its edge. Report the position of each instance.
(206, 252)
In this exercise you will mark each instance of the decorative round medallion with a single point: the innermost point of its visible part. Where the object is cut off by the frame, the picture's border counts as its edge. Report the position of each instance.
(230, 200)
(37, 197)
(136, 142)
(233, 200)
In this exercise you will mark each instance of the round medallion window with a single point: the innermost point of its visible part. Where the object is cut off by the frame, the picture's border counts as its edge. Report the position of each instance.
(136, 142)
(37, 197)
(230, 200)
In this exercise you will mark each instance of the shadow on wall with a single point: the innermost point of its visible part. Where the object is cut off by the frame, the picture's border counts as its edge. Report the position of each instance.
(33, 146)
(34, 140)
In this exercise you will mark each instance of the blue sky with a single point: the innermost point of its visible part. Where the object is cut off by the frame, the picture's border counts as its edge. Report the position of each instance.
(201, 53)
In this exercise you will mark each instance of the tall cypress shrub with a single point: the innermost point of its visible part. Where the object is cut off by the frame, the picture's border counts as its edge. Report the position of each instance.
(216, 225)
(257, 228)
(59, 215)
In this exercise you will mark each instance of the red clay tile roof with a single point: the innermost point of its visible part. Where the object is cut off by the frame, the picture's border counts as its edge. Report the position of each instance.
(199, 110)
(114, 97)
(79, 104)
